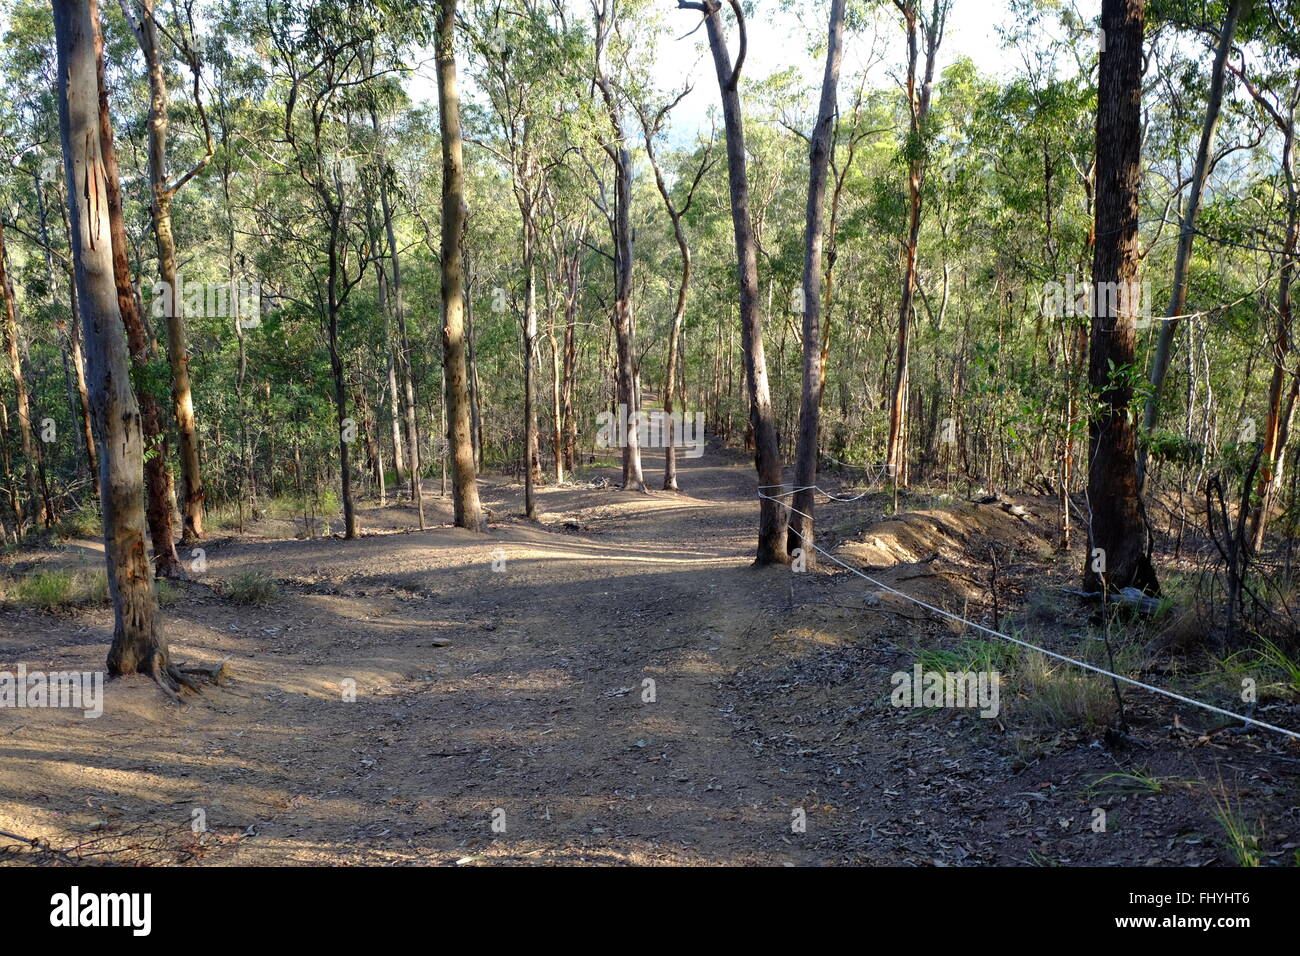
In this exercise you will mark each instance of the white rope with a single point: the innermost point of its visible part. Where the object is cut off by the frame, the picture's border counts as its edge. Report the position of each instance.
(872, 474)
(815, 488)
(1008, 637)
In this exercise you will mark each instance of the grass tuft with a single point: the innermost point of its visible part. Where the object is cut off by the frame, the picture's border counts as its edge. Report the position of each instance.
(1059, 695)
(49, 590)
(1138, 781)
(1239, 837)
(252, 588)
(168, 594)
(970, 655)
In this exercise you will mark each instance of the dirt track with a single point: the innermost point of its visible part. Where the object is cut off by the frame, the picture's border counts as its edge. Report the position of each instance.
(518, 696)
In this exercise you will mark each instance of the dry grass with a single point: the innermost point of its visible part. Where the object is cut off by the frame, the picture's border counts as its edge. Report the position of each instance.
(1057, 695)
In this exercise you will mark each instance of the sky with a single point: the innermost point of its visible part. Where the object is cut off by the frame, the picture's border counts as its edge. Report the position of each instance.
(778, 39)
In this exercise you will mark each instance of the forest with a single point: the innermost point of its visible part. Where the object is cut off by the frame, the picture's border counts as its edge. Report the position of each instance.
(649, 432)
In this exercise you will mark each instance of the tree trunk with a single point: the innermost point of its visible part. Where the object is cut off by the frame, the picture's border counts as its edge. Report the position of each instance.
(247, 478)
(772, 520)
(394, 402)
(573, 282)
(532, 464)
(1278, 421)
(399, 311)
(1280, 413)
(79, 402)
(919, 110)
(192, 493)
(157, 478)
(31, 450)
(346, 426)
(671, 372)
(138, 644)
(820, 145)
(557, 386)
(1119, 542)
(11, 483)
(374, 457)
(628, 393)
(465, 502)
(476, 417)
(78, 360)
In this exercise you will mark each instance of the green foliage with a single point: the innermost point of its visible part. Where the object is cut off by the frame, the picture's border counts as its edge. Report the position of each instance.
(971, 655)
(1176, 449)
(252, 588)
(44, 590)
(1240, 838)
(1274, 671)
(167, 593)
(152, 378)
(84, 521)
(50, 590)
(1008, 204)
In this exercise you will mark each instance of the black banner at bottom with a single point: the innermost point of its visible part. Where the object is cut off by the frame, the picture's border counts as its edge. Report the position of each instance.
(336, 906)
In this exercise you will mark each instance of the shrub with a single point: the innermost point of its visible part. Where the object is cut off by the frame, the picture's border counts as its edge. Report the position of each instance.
(253, 588)
(84, 522)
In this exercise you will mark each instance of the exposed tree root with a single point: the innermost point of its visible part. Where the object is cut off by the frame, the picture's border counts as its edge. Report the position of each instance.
(173, 678)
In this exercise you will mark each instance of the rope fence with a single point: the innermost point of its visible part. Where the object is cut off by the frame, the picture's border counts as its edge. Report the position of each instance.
(994, 633)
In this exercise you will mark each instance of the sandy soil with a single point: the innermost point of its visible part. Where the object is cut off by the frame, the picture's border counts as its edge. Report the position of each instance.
(519, 698)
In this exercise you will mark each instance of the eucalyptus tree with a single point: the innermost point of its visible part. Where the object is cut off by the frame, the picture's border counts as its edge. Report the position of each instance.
(922, 30)
(467, 512)
(36, 206)
(606, 14)
(27, 63)
(568, 224)
(31, 450)
(820, 146)
(393, 306)
(522, 59)
(1119, 541)
(233, 112)
(1023, 177)
(773, 511)
(1273, 85)
(1205, 162)
(157, 474)
(138, 644)
(652, 127)
(146, 26)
